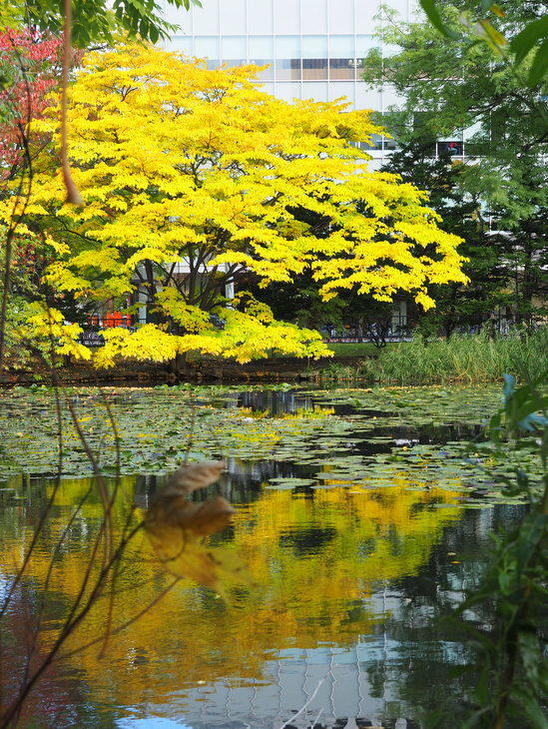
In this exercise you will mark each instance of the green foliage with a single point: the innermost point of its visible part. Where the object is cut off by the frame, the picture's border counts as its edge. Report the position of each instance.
(353, 349)
(463, 85)
(300, 302)
(514, 679)
(487, 266)
(533, 39)
(434, 16)
(522, 412)
(96, 21)
(458, 359)
(535, 33)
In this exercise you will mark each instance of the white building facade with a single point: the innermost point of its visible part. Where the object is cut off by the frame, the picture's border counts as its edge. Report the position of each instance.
(314, 48)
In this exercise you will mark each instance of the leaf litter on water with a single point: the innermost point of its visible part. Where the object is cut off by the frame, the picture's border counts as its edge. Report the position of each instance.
(330, 433)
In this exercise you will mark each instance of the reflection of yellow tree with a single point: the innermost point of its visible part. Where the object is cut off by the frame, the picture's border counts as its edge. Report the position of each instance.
(312, 560)
(366, 536)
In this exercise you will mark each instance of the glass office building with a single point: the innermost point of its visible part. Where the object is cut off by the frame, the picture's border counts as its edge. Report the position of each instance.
(313, 48)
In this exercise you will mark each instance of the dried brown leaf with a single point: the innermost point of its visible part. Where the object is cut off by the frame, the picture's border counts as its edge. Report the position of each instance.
(210, 517)
(177, 528)
(202, 519)
(171, 507)
(185, 555)
(192, 476)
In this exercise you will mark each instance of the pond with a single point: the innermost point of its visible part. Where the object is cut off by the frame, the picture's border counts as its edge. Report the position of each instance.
(360, 519)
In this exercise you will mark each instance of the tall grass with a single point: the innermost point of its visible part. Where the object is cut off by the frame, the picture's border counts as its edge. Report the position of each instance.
(459, 359)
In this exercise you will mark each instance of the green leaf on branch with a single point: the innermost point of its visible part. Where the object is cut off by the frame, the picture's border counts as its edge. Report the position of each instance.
(435, 18)
(491, 35)
(530, 706)
(539, 67)
(525, 41)
(497, 10)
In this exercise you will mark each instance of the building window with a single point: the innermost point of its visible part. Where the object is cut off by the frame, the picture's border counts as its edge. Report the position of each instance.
(364, 43)
(314, 69)
(288, 46)
(388, 143)
(453, 148)
(315, 90)
(341, 69)
(376, 140)
(288, 90)
(233, 47)
(234, 62)
(261, 46)
(206, 47)
(375, 143)
(358, 67)
(268, 73)
(314, 46)
(182, 44)
(288, 69)
(341, 46)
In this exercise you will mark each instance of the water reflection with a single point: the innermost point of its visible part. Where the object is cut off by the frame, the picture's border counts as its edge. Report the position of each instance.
(332, 626)
(331, 570)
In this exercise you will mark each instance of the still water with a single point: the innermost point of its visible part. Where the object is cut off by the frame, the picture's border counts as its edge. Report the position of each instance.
(358, 525)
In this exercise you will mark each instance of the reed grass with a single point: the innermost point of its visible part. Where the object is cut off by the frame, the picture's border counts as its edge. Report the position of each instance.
(462, 358)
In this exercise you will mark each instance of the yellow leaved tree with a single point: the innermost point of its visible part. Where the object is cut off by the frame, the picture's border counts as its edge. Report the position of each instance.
(195, 181)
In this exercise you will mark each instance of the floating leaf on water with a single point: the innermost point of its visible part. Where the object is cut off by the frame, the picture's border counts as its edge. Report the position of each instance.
(289, 483)
(347, 442)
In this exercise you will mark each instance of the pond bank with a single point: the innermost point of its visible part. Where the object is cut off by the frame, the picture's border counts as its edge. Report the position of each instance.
(278, 369)
(460, 359)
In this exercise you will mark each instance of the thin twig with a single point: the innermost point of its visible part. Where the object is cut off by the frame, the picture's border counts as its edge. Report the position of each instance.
(307, 702)
(16, 216)
(125, 625)
(111, 504)
(42, 520)
(101, 483)
(73, 620)
(313, 725)
(36, 631)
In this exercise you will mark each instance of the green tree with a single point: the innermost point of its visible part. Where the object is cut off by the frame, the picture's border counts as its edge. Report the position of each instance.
(457, 305)
(93, 21)
(462, 84)
(476, 20)
(301, 303)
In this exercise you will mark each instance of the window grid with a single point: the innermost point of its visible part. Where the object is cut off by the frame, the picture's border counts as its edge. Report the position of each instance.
(306, 74)
(306, 66)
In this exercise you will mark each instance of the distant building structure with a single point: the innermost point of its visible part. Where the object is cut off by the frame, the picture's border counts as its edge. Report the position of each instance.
(314, 48)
